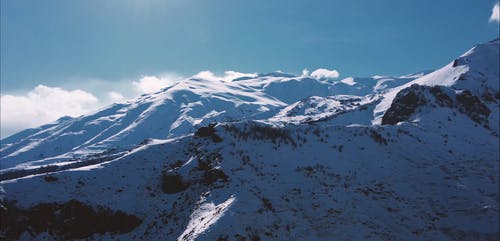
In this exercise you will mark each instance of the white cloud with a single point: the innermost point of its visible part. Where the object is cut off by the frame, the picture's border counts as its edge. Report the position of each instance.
(325, 74)
(150, 84)
(208, 75)
(115, 97)
(305, 73)
(348, 81)
(232, 75)
(228, 75)
(42, 105)
(495, 13)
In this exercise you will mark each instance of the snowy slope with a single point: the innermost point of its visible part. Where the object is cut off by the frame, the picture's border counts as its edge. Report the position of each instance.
(340, 109)
(304, 182)
(169, 113)
(477, 70)
(291, 158)
(172, 112)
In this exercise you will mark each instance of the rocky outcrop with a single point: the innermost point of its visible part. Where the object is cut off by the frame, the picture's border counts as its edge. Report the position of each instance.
(404, 105)
(66, 221)
(208, 132)
(409, 100)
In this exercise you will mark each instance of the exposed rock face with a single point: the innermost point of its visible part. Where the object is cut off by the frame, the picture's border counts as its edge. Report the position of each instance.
(173, 183)
(473, 107)
(69, 220)
(404, 105)
(208, 131)
(416, 96)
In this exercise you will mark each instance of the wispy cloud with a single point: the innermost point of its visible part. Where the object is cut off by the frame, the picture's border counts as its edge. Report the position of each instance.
(115, 97)
(228, 75)
(305, 73)
(232, 75)
(150, 84)
(206, 74)
(495, 12)
(325, 74)
(42, 105)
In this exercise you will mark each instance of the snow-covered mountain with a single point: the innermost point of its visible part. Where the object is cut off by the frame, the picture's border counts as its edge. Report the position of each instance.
(270, 157)
(175, 111)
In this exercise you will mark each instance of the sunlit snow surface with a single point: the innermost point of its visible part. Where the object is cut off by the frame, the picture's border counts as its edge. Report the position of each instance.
(176, 111)
(204, 216)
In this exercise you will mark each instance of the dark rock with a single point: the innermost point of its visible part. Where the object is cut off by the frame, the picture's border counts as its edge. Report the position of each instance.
(69, 220)
(404, 105)
(49, 178)
(377, 137)
(488, 97)
(408, 100)
(208, 131)
(268, 205)
(172, 183)
(214, 175)
(472, 106)
(441, 98)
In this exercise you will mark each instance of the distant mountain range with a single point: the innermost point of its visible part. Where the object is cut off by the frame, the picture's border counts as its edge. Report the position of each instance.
(270, 157)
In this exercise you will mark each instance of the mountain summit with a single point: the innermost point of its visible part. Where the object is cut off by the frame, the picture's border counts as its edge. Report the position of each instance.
(270, 157)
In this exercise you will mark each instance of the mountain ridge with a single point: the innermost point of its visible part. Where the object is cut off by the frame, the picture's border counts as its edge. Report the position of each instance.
(410, 158)
(194, 101)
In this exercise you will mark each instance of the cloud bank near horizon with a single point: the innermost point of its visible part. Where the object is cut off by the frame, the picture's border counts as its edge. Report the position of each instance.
(42, 105)
(45, 104)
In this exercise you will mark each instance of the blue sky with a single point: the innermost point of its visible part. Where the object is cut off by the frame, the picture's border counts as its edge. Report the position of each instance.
(98, 45)
(52, 42)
